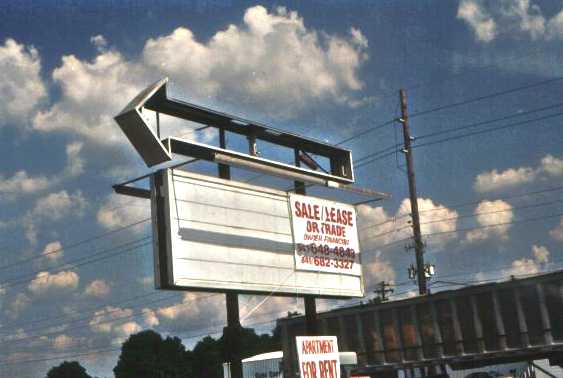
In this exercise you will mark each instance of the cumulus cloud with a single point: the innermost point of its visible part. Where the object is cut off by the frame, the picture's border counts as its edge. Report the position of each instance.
(22, 183)
(114, 322)
(18, 305)
(489, 20)
(527, 266)
(473, 13)
(75, 163)
(53, 250)
(540, 253)
(118, 211)
(549, 167)
(495, 214)
(194, 307)
(557, 232)
(150, 318)
(555, 26)
(53, 207)
(271, 61)
(63, 342)
(377, 269)
(46, 283)
(494, 180)
(98, 289)
(377, 228)
(20, 83)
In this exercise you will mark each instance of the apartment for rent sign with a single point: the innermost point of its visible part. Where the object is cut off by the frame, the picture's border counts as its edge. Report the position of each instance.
(325, 235)
(318, 356)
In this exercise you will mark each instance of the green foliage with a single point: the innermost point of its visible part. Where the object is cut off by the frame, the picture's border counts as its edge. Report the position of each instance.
(68, 370)
(147, 355)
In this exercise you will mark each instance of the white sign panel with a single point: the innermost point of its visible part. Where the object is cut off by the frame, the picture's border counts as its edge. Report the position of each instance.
(325, 235)
(219, 235)
(318, 356)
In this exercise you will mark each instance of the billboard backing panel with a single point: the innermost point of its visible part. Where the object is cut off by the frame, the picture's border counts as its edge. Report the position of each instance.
(221, 235)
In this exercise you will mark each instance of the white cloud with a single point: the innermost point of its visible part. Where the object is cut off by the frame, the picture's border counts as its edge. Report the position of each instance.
(557, 232)
(549, 167)
(194, 307)
(489, 20)
(63, 342)
(103, 320)
(272, 62)
(377, 228)
(75, 163)
(483, 25)
(150, 318)
(18, 305)
(540, 253)
(53, 250)
(490, 213)
(98, 289)
(22, 183)
(524, 266)
(377, 269)
(552, 166)
(493, 180)
(53, 207)
(555, 26)
(56, 206)
(60, 283)
(20, 82)
(118, 211)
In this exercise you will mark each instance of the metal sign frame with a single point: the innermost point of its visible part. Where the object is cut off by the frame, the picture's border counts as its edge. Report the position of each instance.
(169, 236)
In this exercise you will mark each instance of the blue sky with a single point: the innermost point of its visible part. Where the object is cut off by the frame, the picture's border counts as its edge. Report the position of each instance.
(484, 90)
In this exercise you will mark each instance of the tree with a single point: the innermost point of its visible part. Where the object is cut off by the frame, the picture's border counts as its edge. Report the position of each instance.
(147, 355)
(68, 370)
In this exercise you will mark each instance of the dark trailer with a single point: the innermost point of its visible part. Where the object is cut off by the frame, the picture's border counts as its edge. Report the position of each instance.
(495, 323)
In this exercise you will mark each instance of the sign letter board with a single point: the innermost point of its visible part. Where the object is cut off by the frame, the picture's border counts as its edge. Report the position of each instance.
(219, 235)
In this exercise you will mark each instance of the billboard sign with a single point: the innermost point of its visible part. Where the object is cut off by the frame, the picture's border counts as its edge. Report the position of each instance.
(325, 235)
(318, 356)
(221, 235)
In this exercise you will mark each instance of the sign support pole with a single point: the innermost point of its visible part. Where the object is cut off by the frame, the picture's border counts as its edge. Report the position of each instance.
(233, 330)
(311, 328)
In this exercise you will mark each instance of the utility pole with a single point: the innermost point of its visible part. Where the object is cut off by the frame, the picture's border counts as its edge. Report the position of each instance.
(418, 244)
(382, 291)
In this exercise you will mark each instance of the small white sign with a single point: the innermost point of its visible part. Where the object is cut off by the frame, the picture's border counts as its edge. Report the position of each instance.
(318, 356)
(325, 235)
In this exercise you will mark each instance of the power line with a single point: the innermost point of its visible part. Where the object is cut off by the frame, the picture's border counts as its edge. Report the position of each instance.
(76, 244)
(464, 204)
(549, 116)
(466, 216)
(467, 229)
(79, 261)
(484, 97)
(482, 123)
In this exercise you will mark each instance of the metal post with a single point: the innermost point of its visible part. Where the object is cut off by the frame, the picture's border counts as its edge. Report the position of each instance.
(418, 245)
(311, 327)
(233, 330)
(158, 125)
